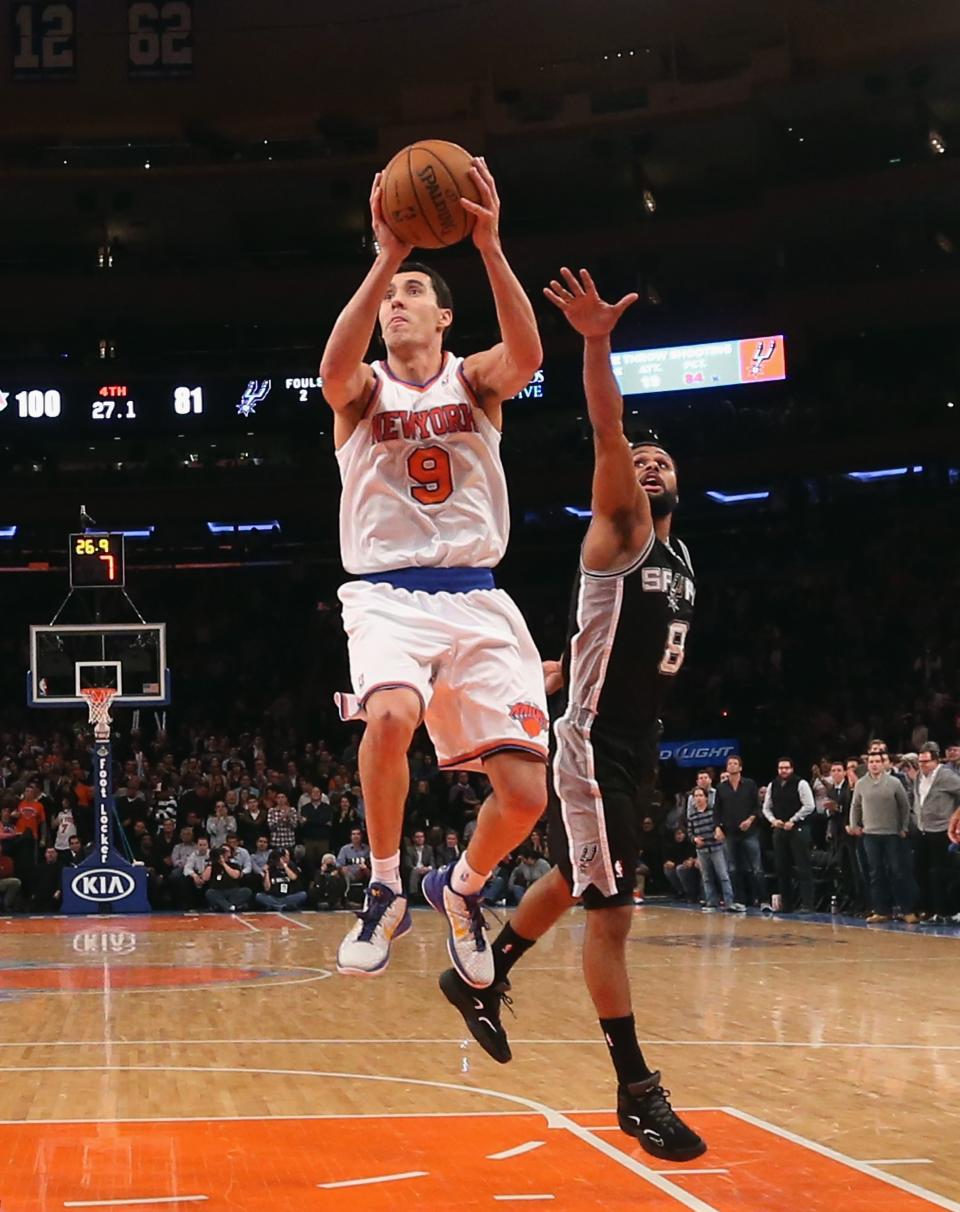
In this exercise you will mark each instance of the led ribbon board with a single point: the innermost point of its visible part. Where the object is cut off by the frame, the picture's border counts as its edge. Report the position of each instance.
(687, 367)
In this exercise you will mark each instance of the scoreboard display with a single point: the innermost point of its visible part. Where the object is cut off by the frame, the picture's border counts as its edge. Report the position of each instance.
(150, 406)
(96, 561)
(687, 367)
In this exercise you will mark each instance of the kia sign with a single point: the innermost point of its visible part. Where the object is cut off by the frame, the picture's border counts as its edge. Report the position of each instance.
(114, 886)
(698, 753)
(102, 884)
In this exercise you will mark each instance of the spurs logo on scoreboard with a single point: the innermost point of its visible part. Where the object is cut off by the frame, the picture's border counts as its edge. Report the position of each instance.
(254, 393)
(763, 353)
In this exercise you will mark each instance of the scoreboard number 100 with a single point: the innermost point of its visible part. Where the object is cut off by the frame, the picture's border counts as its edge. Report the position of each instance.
(35, 404)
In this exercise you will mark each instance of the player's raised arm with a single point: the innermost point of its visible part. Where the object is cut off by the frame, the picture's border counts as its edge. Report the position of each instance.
(497, 374)
(616, 493)
(346, 377)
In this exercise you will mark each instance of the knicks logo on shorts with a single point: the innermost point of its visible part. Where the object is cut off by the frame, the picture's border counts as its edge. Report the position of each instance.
(530, 718)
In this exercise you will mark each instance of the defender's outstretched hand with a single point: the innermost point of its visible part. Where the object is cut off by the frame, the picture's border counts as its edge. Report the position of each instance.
(579, 301)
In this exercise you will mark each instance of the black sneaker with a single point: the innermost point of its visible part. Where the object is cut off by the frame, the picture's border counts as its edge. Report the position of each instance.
(480, 1009)
(644, 1112)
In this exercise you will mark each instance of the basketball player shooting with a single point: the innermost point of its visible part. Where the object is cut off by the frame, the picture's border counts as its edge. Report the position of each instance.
(424, 519)
(632, 606)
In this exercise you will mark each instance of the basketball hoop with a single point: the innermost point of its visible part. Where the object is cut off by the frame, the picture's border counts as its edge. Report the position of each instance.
(99, 700)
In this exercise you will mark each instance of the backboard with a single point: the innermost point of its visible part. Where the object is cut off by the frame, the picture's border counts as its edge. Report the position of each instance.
(129, 657)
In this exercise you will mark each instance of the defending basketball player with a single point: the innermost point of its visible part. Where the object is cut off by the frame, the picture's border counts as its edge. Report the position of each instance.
(424, 519)
(632, 606)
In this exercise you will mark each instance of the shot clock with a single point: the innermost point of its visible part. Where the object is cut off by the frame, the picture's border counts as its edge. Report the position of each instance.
(96, 561)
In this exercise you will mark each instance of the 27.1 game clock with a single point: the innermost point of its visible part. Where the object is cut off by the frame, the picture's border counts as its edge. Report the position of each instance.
(96, 561)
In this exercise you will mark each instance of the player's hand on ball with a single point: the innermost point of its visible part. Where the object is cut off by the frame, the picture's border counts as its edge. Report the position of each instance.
(390, 246)
(579, 301)
(486, 212)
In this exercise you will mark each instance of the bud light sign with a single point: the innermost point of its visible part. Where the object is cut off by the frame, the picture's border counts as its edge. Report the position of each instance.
(698, 753)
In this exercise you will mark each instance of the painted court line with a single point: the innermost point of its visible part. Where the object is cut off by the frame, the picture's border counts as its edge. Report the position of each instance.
(265, 1117)
(243, 922)
(293, 921)
(527, 1147)
(687, 1170)
(324, 974)
(380, 1178)
(896, 1161)
(892, 1180)
(526, 1197)
(134, 1203)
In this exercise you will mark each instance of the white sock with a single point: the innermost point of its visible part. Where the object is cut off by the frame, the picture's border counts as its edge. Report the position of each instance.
(386, 871)
(465, 880)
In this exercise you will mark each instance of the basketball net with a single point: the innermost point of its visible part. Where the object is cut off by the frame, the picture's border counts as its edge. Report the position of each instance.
(99, 700)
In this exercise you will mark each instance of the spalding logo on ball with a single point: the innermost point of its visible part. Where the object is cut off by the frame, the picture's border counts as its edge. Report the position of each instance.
(422, 187)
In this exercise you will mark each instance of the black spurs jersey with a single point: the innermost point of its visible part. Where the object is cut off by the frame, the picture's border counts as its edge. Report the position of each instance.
(627, 637)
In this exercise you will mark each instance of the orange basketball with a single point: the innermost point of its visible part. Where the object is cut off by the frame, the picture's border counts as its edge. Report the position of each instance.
(422, 187)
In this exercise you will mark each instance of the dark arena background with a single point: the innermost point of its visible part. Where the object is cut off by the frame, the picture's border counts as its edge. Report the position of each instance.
(184, 194)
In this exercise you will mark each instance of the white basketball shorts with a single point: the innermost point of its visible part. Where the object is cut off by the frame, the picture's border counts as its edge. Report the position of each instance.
(469, 656)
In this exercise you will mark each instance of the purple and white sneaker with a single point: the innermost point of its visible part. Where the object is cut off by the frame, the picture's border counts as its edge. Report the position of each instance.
(467, 940)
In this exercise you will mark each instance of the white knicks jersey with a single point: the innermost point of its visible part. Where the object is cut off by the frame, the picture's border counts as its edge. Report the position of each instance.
(423, 485)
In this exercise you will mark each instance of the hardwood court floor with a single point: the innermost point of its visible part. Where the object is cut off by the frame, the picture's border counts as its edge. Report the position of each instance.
(219, 1062)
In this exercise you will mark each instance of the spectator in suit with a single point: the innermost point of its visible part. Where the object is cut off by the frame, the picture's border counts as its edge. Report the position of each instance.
(845, 848)
(451, 849)
(315, 824)
(417, 861)
(75, 854)
(936, 796)
(787, 805)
